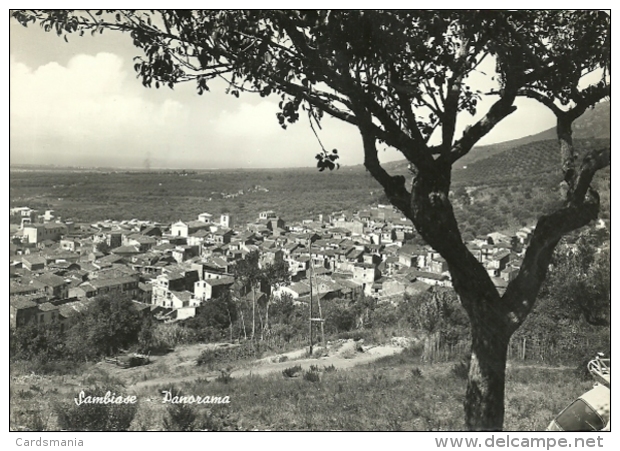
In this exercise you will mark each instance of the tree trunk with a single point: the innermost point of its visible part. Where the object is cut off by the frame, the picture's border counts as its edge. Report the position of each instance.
(253, 313)
(433, 216)
(484, 399)
(245, 334)
(261, 325)
(267, 315)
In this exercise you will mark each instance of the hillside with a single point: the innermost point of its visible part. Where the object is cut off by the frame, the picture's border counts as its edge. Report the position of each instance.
(523, 162)
(595, 123)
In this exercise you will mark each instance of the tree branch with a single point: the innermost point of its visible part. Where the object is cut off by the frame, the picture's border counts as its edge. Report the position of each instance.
(498, 111)
(582, 208)
(394, 186)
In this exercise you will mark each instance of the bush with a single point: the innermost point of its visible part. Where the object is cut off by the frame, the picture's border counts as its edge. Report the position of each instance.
(207, 357)
(95, 417)
(416, 373)
(292, 371)
(312, 376)
(180, 417)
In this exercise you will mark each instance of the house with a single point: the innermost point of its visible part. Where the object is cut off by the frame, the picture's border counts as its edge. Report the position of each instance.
(183, 229)
(177, 299)
(142, 242)
(48, 313)
(205, 217)
(212, 288)
(226, 221)
(152, 231)
(69, 244)
(497, 263)
(295, 290)
(266, 215)
(183, 253)
(114, 239)
(417, 287)
(55, 286)
(366, 273)
(351, 289)
(37, 233)
(97, 287)
(432, 278)
(198, 238)
(126, 251)
(26, 286)
(145, 293)
(222, 236)
(271, 257)
(437, 265)
(22, 311)
(509, 274)
(175, 280)
(34, 262)
(67, 311)
(275, 223)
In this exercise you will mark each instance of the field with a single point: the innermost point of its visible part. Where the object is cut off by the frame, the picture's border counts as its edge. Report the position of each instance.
(86, 196)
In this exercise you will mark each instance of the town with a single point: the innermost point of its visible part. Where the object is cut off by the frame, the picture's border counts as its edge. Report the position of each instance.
(58, 268)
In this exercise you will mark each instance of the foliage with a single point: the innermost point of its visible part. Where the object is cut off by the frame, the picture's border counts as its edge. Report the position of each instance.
(36, 342)
(108, 325)
(180, 416)
(95, 417)
(276, 274)
(312, 376)
(579, 284)
(148, 340)
(292, 371)
(438, 311)
(213, 318)
(339, 316)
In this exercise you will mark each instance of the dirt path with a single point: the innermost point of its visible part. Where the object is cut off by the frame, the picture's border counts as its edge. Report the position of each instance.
(347, 356)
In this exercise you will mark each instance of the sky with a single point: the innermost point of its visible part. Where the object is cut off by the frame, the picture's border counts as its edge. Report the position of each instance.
(80, 104)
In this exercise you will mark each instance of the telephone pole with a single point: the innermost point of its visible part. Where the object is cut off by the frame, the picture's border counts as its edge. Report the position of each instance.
(311, 312)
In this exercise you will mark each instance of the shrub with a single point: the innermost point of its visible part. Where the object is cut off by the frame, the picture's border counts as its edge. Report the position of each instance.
(329, 369)
(95, 417)
(207, 357)
(292, 371)
(416, 373)
(180, 417)
(312, 376)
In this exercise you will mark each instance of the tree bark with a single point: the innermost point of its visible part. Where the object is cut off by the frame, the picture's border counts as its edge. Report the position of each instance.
(245, 334)
(253, 313)
(484, 398)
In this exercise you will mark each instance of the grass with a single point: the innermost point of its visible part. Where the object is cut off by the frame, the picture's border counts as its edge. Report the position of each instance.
(398, 392)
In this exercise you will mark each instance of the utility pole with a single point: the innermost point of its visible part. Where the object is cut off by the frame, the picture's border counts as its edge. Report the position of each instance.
(320, 318)
(311, 313)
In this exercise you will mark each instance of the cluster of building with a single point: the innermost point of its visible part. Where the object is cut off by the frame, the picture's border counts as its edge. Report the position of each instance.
(169, 270)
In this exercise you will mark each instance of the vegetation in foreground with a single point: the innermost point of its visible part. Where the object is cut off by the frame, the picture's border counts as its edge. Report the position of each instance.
(399, 392)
